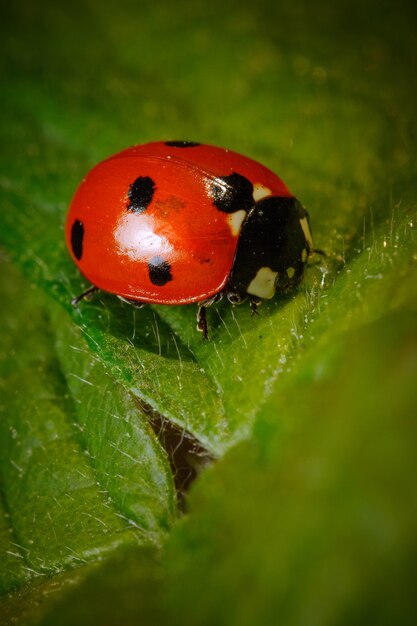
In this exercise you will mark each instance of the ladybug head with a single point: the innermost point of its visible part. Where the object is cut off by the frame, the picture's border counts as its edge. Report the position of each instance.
(273, 246)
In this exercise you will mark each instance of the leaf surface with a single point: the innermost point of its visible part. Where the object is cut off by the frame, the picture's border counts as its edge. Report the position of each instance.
(308, 512)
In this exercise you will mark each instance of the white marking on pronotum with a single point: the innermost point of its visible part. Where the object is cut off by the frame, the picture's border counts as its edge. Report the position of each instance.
(304, 255)
(290, 272)
(235, 221)
(263, 285)
(259, 192)
(306, 231)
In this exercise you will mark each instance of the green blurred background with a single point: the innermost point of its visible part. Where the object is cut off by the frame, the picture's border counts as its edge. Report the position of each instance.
(308, 515)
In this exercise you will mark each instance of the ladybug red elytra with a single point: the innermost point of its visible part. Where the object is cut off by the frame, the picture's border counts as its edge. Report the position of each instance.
(177, 222)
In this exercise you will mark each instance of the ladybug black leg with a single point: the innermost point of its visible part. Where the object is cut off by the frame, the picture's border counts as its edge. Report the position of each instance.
(202, 321)
(318, 251)
(202, 313)
(85, 294)
(235, 298)
(321, 253)
(135, 303)
(254, 303)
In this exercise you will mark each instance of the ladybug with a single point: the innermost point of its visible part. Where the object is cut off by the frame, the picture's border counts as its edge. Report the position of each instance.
(177, 222)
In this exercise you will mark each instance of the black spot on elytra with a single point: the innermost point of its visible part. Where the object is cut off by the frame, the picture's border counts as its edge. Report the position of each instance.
(159, 271)
(77, 236)
(140, 194)
(232, 193)
(182, 144)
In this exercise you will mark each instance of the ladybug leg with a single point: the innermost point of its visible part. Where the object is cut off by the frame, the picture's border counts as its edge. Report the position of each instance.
(202, 313)
(235, 298)
(135, 303)
(254, 303)
(85, 294)
(318, 251)
(202, 321)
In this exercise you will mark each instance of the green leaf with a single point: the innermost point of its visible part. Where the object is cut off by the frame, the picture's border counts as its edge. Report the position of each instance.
(87, 594)
(130, 464)
(308, 513)
(323, 525)
(224, 384)
(81, 472)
